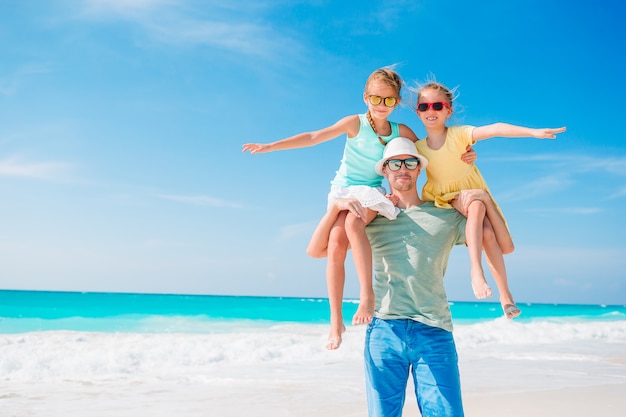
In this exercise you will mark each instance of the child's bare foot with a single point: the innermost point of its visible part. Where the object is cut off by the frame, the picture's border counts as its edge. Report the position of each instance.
(365, 312)
(479, 285)
(334, 337)
(508, 306)
(511, 311)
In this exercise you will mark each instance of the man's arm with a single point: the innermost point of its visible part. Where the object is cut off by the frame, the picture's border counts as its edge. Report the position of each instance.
(466, 197)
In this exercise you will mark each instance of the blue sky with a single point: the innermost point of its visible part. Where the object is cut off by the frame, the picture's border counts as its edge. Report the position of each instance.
(121, 125)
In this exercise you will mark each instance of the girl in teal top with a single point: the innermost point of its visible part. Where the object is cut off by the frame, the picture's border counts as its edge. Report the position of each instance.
(367, 134)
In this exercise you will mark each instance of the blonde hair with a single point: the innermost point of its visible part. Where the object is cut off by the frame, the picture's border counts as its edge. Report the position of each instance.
(450, 94)
(387, 76)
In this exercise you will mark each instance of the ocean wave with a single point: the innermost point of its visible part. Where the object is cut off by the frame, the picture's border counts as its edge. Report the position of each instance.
(510, 332)
(53, 355)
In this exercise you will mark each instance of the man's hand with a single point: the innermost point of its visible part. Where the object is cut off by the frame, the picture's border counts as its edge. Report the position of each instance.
(352, 205)
(466, 197)
(469, 157)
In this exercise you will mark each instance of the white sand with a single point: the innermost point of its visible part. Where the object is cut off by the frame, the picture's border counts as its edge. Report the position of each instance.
(284, 393)
(593, 401)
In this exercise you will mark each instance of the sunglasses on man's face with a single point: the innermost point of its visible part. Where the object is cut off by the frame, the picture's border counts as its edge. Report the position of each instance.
(376, 100)
(438, 106)
(396, 164)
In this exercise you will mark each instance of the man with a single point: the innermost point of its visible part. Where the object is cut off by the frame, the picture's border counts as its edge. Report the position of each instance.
(412, 327)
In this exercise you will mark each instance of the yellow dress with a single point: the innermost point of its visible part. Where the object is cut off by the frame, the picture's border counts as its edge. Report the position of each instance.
(447, 173)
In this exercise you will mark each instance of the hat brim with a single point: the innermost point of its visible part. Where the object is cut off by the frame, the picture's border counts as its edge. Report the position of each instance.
(396, 147)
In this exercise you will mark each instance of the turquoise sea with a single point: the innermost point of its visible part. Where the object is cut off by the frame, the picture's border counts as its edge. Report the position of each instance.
(28, 311)
(156, 355)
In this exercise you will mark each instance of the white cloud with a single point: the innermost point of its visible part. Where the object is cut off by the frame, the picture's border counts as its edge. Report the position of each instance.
(615, 166)
(294, 230)
(569, 210)
(201, 200)
(537, 188)
(572, 169)
(163, 243)
(236, 26)
(618, 194)
(245, 38)
(13, 167)
(123, 7)
(9, 84)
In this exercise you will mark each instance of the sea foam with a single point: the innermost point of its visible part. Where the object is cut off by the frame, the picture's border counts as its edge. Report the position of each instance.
(74, 355)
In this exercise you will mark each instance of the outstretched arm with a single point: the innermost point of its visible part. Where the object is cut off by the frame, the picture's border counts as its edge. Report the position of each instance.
(318, 245)
(349, 125)
(513, 131)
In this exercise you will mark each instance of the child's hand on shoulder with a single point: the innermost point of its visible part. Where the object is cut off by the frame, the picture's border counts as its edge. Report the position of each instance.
(393, 198)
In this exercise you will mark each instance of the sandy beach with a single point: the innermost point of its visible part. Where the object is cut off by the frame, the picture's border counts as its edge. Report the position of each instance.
(302, 399)
(596, 401)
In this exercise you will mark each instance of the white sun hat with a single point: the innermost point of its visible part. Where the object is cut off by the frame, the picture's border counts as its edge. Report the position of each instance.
(396, 147)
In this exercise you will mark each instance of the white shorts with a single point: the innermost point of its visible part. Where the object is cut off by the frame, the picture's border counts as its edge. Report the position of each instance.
(372, 198)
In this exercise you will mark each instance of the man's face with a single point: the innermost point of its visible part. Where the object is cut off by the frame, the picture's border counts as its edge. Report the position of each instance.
(403, 179)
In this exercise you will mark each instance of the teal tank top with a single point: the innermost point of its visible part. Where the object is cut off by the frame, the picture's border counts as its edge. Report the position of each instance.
(360, 155)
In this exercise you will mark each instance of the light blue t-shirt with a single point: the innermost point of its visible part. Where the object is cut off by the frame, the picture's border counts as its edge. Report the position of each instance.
(360, 155)
(410, 256)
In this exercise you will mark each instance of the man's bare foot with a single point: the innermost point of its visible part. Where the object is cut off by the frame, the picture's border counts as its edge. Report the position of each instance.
(334, 337)
(365, 312)
(479, 285)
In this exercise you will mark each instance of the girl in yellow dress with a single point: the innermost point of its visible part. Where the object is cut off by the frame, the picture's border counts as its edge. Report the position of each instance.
(447, 176)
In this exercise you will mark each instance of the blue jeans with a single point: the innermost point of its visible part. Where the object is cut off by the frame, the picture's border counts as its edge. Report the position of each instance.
(393, 348)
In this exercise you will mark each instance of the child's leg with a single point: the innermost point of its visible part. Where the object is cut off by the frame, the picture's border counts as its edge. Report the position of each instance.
(362, 256)
(501, 231)
(474, 238)
(335, 278)
(495, 260)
